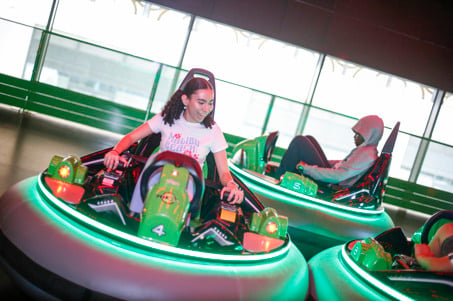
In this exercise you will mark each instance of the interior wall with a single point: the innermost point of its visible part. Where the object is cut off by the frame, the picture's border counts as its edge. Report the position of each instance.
(409, 38)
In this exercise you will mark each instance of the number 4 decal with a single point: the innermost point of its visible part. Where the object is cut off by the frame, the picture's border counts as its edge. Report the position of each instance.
(159, 230)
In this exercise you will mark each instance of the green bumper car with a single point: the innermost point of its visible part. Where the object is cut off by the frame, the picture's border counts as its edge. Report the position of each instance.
(319, 216)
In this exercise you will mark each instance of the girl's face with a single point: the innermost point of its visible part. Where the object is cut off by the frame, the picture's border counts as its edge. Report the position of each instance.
(198, 105)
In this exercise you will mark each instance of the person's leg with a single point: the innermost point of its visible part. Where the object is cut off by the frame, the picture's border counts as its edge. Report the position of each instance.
(317, 157)
(302, 148)
(136, 204)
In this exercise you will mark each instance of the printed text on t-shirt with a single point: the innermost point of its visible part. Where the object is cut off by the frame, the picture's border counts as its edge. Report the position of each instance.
(183, 145)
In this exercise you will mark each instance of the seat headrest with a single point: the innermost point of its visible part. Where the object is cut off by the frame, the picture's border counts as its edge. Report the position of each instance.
(390, 143)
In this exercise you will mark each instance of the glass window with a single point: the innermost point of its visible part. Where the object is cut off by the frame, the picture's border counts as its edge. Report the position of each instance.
(438, 161)
(403, 156)
(444, 122)
(357, 91)
(260, 67)
(136, 27)
(284, 118)
(169, 81)
(251, 60)
(240, 111)
(30, 12)
(15, 47)
(437, 167)
(98, 72)
(332, 131)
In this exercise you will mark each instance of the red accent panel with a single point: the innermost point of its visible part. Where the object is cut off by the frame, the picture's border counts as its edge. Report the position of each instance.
(259, 243)
(65, 191)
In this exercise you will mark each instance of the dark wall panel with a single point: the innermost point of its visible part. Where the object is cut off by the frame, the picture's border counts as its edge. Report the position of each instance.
(306, 26)
(409, 38)
(254, 15)
(197, 7)
(390, 52)
(428, 21)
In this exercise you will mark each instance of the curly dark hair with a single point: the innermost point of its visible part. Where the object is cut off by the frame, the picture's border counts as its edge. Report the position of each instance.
(174, 106)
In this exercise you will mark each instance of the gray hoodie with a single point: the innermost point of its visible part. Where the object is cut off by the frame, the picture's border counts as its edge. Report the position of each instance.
(347, 171)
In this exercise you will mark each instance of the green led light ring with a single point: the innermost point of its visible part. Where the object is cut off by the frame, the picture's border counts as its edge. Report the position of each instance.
(314, 200)
(75, 215)
(369, 278)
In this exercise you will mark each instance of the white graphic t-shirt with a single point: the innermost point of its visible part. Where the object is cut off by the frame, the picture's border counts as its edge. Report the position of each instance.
(191, 139)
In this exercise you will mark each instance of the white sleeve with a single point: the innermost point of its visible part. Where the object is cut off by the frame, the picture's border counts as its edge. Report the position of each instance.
(155, 123)
(219, 143)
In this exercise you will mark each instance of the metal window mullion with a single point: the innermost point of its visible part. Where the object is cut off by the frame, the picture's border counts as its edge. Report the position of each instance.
(44, 42)
(423, 147)
(42, 48)
(186, 42)
(153, 91)
(183, 54)
(310, 95)
(268, 115)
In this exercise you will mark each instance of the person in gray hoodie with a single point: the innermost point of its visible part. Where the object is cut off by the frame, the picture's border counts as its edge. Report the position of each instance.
(305, 155)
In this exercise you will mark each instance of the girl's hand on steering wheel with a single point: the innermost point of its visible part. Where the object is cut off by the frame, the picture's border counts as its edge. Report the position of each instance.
(236, 195)
(112, 159)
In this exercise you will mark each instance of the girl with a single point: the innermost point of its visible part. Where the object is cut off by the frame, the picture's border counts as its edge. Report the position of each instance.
(187, 126)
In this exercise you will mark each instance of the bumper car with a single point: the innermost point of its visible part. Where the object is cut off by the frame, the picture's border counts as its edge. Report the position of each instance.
(67, 233)
(377, 268)
(319, 216)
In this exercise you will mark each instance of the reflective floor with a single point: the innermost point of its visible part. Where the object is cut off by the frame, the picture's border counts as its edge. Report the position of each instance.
(30, 140)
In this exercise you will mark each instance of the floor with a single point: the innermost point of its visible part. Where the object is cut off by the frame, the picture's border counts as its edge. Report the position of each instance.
(28, 143)
(30, 140)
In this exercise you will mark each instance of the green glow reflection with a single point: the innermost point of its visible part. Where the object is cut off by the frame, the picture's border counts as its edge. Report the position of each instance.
(282, 276)
(134, 239)
(362, 216)
(291, 197)
(369, 278)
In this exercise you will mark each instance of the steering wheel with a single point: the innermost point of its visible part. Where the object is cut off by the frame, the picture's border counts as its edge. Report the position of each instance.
(431, 221)
(270, 146)
(179, 160)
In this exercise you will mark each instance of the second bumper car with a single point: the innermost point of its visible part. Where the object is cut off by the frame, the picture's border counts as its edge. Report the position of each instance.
(319, 216)
(377, 268)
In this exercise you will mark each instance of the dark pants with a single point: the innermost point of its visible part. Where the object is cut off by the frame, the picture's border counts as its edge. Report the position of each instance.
(302, 148)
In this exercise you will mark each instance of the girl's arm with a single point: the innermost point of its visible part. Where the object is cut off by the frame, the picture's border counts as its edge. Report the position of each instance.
(112, 158)
(236, 195)
(427, 260)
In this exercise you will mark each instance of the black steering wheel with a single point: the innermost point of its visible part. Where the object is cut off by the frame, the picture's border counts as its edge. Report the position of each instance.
(448, 214)
(270, 146)
(178, 160)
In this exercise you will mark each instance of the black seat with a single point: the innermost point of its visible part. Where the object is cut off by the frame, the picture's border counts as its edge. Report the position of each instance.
(368, 191)
(269, 146)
